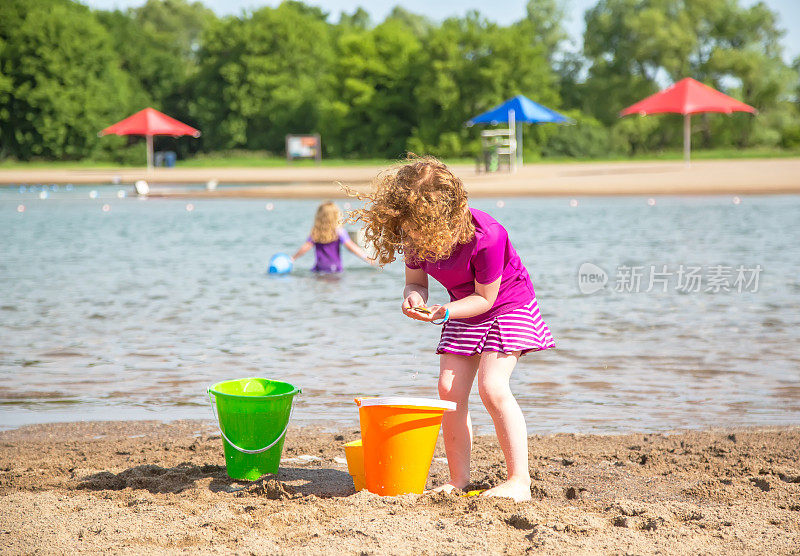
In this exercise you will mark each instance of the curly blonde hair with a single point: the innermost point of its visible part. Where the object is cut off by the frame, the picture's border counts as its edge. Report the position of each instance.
(326, 223)
(418, 208)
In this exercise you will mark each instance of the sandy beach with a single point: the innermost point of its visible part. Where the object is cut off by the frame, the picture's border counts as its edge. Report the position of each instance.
(146, 487)
(760, 176)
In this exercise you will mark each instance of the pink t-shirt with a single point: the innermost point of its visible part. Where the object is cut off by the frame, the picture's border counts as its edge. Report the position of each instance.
(487, 257)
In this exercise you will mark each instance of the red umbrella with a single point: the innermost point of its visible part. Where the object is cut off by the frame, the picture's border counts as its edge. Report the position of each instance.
(149, 122)
(687, 97)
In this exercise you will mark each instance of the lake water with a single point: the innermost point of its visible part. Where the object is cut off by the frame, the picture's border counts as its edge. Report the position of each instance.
(132, 312)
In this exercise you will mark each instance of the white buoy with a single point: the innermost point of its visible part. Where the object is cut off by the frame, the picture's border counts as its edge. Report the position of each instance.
(121, 194)
(189, 207)
(211, 185)
(106, 208)
(573, 202)
(736, 200)
(93, 194)
(501, 204)
(20, 208)
(43, 195)
(141, 187)
(651, 202)
(269, 206)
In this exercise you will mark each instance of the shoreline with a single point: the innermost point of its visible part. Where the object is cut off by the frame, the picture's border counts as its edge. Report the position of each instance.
(150, 487)
(704, 177)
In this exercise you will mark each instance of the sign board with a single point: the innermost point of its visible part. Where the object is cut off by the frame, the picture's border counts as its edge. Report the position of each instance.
(303, 146)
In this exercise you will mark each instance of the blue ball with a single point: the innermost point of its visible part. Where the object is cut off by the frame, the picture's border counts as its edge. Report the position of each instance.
(280, 263)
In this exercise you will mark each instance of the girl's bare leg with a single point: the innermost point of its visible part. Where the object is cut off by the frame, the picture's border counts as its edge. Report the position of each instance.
(456, 375)
(494, 373)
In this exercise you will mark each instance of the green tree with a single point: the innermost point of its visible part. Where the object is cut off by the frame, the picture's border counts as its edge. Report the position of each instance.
(420, 25)
(372, 111)
(61, 80)
(544, 20)
(544, 25)
(472, 65)
(359, 19)
(262, 76)
(158, 44)
(791, 135)
(747, 47)
(796, 79)
(304, 9)
(635, 46)
(585, 138)
(629, 44)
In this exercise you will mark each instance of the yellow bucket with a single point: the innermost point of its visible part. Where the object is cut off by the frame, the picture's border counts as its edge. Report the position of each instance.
(399, 437)
(354, 452)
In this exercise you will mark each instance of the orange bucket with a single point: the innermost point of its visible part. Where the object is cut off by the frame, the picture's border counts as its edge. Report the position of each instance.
(354, 453)
(399, 437)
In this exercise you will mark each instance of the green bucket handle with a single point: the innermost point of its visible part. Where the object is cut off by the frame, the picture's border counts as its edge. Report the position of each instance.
(245, 450)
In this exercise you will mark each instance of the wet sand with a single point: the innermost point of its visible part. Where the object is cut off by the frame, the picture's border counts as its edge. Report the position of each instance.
(146, 487)
(760, 176)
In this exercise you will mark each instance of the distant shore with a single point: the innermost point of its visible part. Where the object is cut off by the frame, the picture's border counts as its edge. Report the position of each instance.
(740, 176)
(155, 488)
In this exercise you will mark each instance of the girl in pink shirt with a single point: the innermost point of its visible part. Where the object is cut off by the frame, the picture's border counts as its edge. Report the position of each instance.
(420, 209)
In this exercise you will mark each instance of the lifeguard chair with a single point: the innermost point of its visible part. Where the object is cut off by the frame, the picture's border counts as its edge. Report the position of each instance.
(498, 150)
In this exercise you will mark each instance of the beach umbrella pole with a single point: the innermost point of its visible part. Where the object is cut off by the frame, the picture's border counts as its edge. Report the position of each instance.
(512, 142)
(149, 153)
(687, 138)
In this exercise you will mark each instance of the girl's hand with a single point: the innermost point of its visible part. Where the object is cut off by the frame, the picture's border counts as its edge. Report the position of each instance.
(414, 299)
(430, 314)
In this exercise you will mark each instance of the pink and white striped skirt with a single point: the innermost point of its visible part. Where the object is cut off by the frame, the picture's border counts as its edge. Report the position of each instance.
(521, 330)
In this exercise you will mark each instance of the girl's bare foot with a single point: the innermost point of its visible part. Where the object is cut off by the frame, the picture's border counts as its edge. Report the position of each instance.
(517, 489)
(447, 487)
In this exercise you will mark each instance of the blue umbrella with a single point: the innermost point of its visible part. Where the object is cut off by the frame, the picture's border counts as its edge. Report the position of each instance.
(519, 109)
(525, 110)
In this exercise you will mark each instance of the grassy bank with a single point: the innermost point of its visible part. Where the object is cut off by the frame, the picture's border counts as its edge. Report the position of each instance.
(260, 160)
(710, 154)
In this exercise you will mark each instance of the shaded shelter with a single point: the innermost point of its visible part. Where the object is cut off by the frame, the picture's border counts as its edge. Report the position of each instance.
(688, 96)
(150, 122)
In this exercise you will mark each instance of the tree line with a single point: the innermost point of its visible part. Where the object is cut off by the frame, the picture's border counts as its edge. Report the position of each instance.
(378, 89)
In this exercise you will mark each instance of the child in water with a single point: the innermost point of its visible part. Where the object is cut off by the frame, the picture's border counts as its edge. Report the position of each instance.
(327, 236)
(420, 209)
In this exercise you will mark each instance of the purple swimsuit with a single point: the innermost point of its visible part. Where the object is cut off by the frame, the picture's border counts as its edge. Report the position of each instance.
(328, 255)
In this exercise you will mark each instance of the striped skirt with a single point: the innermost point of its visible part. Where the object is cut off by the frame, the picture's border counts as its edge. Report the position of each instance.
(519, 330)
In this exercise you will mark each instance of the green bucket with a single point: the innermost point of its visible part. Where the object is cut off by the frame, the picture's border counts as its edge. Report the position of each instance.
(253, 415)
